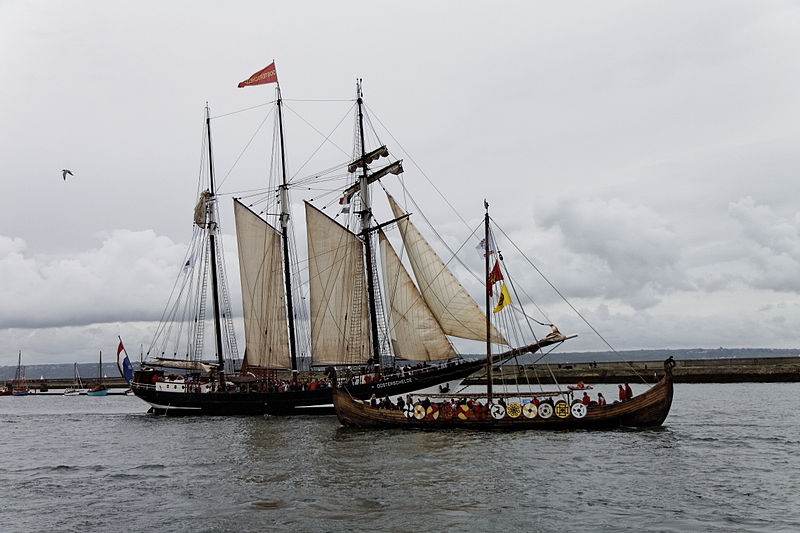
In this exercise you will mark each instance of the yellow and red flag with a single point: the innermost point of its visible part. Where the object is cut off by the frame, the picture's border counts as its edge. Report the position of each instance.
(265, 75)
(504, 299)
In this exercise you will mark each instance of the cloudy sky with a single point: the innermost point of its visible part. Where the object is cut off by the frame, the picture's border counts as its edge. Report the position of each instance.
(644, 155)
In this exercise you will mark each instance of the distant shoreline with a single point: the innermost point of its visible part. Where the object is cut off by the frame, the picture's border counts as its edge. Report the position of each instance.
(721, 370)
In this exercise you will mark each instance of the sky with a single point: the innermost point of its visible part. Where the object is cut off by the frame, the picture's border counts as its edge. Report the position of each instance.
(642, 154)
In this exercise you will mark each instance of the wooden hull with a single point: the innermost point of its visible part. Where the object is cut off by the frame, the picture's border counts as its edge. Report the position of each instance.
(647, 409)
(316, 402)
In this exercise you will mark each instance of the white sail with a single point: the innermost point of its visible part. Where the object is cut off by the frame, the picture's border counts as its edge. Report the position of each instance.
(415, 333)
(265, 329)
(338, 297)
(454, 309)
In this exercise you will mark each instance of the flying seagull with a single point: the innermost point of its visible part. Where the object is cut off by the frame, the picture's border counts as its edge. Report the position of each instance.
(64, 173)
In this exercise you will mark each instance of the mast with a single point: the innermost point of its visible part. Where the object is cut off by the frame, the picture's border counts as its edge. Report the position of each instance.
(212, 225)
(366, 213)
(285, 237)
(486, 290)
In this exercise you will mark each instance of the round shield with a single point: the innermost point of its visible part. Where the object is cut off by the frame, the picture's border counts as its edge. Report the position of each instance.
(480, 411)
(561, 409)
(498, 411)
(408, 411)
(545, 410)
(529, 410)
(514, 410)
(578, 410)
(462, 411)
(446, 412)
(432, 413)
(419, 411)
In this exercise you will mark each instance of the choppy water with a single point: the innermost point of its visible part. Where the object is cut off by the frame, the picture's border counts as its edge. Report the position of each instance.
(726, 460)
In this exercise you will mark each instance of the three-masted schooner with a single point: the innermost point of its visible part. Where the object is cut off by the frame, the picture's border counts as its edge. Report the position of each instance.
(347, 319)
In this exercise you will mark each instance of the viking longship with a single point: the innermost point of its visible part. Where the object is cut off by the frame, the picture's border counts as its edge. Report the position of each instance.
(519, 408)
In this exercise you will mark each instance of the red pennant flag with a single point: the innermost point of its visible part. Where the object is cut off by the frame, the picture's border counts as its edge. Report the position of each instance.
(494, 276)
(266, 75)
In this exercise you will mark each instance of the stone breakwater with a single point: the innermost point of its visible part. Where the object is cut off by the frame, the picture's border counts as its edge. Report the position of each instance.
(763, 370)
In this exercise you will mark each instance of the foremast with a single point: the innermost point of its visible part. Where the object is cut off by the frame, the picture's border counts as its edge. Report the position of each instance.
(212, 233)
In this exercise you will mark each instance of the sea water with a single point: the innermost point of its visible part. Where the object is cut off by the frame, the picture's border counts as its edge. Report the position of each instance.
(725, 460)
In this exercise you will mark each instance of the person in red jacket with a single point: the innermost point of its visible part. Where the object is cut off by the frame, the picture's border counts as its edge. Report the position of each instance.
(628, 392)
(586, 400)
(621, 393)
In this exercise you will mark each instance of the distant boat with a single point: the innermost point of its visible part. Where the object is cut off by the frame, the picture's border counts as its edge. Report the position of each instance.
(99, 388)
(77, 386)
(19, 387)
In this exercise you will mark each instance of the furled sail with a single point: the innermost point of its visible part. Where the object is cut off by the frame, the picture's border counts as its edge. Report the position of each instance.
(415, 333)
(338, 296)
(263, 304)
(454, 309)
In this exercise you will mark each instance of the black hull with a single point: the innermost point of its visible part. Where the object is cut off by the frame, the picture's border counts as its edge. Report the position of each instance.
(316, 402)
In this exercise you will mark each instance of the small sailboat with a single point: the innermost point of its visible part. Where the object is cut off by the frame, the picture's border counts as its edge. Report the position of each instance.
(99, 388)
(19, 387)
(77, 385)
(521, 408)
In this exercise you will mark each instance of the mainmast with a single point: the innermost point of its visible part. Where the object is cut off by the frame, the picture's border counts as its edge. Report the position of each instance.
(212, 231)
(366, 214)
(486, 290)
(285, 238)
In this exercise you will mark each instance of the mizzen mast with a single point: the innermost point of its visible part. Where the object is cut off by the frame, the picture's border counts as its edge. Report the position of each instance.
(366, 214)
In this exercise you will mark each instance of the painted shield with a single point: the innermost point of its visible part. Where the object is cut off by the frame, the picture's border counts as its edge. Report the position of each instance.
(446, 412)
(408, 411)
(578, 410)
(498, 411)
(480, 411)
(561, 409)
(462, 411)
(529, 410)
(545, 410)
(432, 413)
(419, 411)
(514, 410)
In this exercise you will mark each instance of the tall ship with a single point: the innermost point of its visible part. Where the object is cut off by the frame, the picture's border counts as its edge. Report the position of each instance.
(352, 306)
